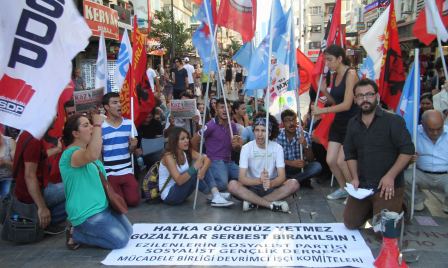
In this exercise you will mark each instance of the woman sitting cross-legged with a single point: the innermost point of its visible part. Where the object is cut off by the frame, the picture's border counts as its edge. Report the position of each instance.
(86, 203)
(181, 167)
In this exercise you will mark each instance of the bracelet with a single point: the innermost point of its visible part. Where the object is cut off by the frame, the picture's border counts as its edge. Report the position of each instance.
(97, 125)
(192, 171)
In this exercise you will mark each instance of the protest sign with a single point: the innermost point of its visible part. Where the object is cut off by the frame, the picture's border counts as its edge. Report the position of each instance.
(87, 99)
(311, 245)
(183, 108)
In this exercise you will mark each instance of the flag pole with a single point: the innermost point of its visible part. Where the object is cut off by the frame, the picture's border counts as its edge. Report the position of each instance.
(201, 144)
(415, 119)
(132, 130)
(219, 78)
(442, 56)
(315, 104)
(267, 97)
(299, 114)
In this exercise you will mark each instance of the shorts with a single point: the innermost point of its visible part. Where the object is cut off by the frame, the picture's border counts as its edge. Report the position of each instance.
(338, 130)
(258, 190)
(191, 86)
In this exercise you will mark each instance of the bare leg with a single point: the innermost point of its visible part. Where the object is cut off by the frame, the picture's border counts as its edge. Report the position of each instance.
(288, 188)
(332, 160)
(343, 165)
(239, 190)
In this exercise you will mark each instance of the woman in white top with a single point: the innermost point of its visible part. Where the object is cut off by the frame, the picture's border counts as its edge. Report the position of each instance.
(180, 167)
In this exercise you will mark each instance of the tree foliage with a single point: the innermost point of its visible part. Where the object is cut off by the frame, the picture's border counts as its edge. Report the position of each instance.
(161, 29)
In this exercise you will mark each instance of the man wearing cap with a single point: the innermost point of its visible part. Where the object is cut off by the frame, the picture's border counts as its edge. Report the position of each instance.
(190, 72)
(261, 184)
(432, 160)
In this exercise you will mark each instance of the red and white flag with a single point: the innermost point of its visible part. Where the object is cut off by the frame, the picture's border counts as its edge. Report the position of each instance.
(429, 23)
(240, 16)
(38, 42)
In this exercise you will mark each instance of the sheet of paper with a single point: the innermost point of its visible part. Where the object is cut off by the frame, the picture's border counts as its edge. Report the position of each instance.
(358, 194)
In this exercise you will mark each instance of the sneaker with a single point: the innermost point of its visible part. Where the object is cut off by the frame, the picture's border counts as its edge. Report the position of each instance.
(225, 195)
(55, 229)
(248, 205)
(219, 201)
(345, 201)
(419, 206)
(338, 194)
(281, 206)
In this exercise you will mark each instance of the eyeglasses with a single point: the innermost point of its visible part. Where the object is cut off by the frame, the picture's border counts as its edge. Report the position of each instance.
(368, 95)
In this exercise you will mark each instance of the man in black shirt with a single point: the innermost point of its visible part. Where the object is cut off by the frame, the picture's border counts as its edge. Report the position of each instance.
(377, 148)
(179, 77)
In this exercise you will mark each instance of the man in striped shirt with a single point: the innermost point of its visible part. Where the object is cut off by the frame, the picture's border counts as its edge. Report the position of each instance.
(119, 144)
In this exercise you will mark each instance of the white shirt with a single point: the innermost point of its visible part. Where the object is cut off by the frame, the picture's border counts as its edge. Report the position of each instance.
(252, 158)
(164, 174)
(190, 71)
(151, 76)
(440, 100)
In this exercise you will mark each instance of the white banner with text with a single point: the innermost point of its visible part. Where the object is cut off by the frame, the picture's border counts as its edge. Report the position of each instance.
(311, 245)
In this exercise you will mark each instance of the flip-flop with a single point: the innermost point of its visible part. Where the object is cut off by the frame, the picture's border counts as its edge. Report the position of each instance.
(68, 236)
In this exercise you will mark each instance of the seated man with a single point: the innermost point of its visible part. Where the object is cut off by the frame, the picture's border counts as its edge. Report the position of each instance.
(28, 171)
(377, 148)
(257, 186)
(290, 139)
(432, 160)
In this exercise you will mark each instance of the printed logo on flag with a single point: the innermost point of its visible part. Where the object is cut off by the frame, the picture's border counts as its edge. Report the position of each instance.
(14, 95)
(242, 5)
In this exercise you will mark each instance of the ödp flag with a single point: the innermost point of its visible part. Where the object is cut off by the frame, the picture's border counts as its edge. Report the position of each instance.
(408, 97)
(429, 24)
(123, 61)
(38, 42)
(101, 74)
(240, 16)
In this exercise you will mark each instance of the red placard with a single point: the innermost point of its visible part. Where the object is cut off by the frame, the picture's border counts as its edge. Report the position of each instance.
(101, 18)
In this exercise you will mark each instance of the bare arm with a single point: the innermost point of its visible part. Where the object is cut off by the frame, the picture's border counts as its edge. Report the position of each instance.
(352, 78)
(32, 184)
(83, 156)
(247, 181)
(280, 179)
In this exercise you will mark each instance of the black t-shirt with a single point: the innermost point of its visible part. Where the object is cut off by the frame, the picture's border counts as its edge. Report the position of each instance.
(180, 76)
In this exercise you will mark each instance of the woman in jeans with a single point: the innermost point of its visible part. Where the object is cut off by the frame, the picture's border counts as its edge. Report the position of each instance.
(7, 149)
(92, 221)
(179, 169)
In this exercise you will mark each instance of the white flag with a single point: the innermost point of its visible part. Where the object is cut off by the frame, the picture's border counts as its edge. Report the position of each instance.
(434, 24)
(38, 42)
(123, 61)
(373, 41)
(101, 74)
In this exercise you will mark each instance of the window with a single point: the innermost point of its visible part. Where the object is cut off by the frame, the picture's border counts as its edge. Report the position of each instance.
(316, 29)
(314, 45)
(317, 10)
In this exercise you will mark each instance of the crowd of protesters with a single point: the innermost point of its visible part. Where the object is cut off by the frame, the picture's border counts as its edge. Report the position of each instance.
(63, 177)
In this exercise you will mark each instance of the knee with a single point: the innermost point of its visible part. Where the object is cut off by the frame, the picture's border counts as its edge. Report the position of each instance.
(331, 161)
(341, 162)
(120, 241)
(293, 185)
(233, 186)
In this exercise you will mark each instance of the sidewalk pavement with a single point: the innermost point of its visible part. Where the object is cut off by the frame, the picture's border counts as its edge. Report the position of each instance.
(308, 206)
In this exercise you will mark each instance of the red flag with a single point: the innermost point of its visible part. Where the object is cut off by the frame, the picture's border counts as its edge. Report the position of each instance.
(334, 35)
(305, 67)
(240, 16)
(420, 31)
(134, 75)
(145, 99)
(58, 125)
(392, 74)
(323, 129)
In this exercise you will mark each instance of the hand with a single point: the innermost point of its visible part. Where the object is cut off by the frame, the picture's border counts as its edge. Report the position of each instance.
(138, 152)
(355, 183)
(302, 139)
(97, 119)
(171, 120)
(237, 142)
(414, 158)
(299, 163)
(317, 111)
(387, 187)
(59, 146)
(196, 119)
(132, 143)
(198, 163)
(201, 174)
(264, 177)
(44, 217)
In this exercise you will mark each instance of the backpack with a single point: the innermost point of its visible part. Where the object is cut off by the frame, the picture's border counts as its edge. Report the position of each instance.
(150, 185)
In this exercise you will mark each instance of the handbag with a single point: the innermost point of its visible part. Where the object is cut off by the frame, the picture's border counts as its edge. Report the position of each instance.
(116, 202)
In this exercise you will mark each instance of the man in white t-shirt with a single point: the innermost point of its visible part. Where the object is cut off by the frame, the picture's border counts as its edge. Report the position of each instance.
(190, 72)
(153, 78)
(256, 185)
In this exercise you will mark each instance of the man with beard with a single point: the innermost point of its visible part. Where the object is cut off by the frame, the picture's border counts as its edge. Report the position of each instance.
(377, 148)
(290, 138)
(118, 147)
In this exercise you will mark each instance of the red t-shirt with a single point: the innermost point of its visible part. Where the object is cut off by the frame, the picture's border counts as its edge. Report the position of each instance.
(31, 153)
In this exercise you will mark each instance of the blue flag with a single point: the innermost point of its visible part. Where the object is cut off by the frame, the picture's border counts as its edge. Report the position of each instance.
(203, 38)
(258, 68)
(406, 105)
(244, 54)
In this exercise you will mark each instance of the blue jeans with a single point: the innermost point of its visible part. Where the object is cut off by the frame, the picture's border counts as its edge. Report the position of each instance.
(222, 172)
(5, 186)
(54, 196)
(106, 229)
(179, 193)
(312, 169)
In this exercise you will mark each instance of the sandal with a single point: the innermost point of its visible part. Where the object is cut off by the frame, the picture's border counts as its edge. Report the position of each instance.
(69, 239)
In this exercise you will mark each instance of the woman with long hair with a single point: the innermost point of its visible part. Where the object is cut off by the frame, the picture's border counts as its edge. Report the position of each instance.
(179, 169)
(92, 221)
(340, 98)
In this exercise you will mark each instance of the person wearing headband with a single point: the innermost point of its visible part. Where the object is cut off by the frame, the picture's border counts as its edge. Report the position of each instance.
(260, 184)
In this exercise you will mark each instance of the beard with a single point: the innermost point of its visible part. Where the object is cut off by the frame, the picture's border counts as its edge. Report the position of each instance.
(369, 107)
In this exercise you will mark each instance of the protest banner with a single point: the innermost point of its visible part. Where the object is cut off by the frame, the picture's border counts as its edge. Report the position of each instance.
(87, 99)
(183, 108)
(311, 245)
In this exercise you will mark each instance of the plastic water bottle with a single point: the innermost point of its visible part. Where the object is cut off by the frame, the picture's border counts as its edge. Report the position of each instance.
(15, 217)
(140, 162)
